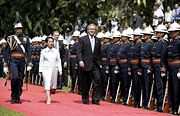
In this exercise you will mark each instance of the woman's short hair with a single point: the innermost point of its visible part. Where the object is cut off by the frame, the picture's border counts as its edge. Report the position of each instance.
(49, 37)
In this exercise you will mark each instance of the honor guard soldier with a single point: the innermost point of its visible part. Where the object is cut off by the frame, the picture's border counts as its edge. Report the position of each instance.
(123, 63)
(159, 52)
(113, 66)
(1, 58)
(135, 65)
(73, 59)
(17, 57)
(174, 66)
(105, 39)
(146, 63)
(33, 58)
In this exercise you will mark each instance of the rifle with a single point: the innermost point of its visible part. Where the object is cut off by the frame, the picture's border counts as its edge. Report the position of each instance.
(129, 100)
(76, 86)
(141, 100)
(117, 100)
(27, 79)
(166, 102)
(108, 96)
(6, 78)
(91, 90)
(36, 80)
(40, 79)
(151, 99)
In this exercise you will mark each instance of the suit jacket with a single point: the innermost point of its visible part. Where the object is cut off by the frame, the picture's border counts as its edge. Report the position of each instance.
(84, 52)
(62, 51)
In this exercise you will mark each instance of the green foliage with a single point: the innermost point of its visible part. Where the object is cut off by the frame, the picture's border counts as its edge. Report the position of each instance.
(43, 16)
(6, 112)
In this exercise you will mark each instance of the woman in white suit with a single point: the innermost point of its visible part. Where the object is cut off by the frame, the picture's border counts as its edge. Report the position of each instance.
(49, 64)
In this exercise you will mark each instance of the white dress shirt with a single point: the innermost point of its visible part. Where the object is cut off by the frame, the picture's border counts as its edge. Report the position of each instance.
(92, 41)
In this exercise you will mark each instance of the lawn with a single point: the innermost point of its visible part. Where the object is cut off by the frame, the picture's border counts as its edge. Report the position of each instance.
(7, 112)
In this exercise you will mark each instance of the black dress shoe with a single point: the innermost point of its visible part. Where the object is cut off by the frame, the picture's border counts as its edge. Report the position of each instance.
(112, 100)
(17, 101)
(53, 91)
(175, 113)
(158, 110)
(59, 87)
(12, 101)
(85, 102)
(95, 102)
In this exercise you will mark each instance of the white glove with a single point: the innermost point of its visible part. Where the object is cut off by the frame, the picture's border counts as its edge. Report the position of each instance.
(100, 66)
(163, 74)
(178, 75)
(139, 73)
(148, 71)
(5, 69)
(60, 72)
(107, 71)
(116, 71)
(28, 68)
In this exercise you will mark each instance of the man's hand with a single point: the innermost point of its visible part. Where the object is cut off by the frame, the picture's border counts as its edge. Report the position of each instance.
(29, 68)
(40, 74)
(81, 64)
(65, 64)
(5, 69)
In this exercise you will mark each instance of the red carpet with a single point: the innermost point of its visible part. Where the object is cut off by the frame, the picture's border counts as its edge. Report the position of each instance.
(64, 104)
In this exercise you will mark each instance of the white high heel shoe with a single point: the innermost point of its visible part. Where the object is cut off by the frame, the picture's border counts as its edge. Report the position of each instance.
(48, 101)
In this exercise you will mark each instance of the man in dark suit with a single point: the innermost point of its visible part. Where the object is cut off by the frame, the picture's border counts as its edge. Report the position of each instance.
(89, 57)
(58, 44)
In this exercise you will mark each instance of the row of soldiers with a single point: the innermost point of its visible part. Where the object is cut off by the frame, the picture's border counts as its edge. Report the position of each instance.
(144, 67)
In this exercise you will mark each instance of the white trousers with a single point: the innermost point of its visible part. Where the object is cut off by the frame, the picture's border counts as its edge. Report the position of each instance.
(50, 78)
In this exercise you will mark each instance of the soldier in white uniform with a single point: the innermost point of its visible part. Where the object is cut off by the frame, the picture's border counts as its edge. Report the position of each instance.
(50, 62)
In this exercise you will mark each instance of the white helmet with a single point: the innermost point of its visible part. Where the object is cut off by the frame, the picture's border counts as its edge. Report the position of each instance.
(148, 30)
(100, 35)
(130, 30)
(116, 34)
(44, 37)
(39, 39)
(83, 34)
(65, 42)
(137, 31)
(61, 37)
(76, 33)
(108, 35)
(161, 28)
(126, 33)
(3, 41)
(18, 25)
(174, 27)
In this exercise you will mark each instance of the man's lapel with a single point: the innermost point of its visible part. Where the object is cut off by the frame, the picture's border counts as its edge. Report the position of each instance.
(95, 44)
